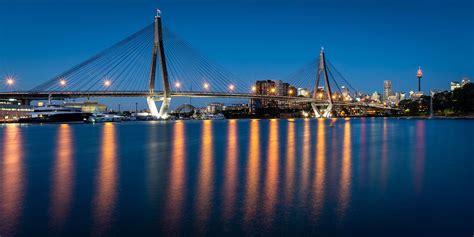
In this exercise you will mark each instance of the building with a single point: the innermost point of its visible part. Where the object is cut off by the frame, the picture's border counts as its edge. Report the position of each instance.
(344, 91)
(402, 96)
(376, 96)
(303, 92)
(87, 106)
(292, 91)
(266, 87)
(12, 110)
(281, 88)
(214, 108)
(456, 85)
(387, 89)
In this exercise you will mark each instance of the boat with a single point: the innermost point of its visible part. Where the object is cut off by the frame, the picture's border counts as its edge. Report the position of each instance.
(56, 114)
(103, 118)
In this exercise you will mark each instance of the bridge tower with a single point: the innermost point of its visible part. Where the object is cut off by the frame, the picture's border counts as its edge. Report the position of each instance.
(158, 48)
(322, 72)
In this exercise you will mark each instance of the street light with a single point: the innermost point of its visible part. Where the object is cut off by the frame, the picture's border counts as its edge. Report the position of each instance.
(177, 84)
(231, 87)
(62, 82)
(254, 88)
(272, 90)
(107, 83)
(206, 85)
(10, 81)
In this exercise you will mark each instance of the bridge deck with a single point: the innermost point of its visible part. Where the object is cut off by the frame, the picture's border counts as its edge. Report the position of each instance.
(27, 95)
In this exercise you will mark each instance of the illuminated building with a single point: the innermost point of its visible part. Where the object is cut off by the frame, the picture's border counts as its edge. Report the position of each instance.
(456, 85)
(12, 110)
(214, 108)
(387, 89)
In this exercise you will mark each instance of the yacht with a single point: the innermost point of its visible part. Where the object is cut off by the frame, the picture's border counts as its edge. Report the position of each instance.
(56, 114)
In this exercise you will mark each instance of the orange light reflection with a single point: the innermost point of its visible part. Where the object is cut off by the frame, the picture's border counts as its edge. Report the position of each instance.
(345, 180)
(231, 169)
(205, 178)
(177, 185)
(106, 183)
(11, 179)
(253, 172)
(62, 185)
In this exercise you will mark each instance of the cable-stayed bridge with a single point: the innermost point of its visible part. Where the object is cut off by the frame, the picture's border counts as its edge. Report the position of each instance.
(157, 64)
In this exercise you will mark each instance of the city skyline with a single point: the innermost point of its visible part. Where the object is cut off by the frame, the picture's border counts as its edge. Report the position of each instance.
(273, 55)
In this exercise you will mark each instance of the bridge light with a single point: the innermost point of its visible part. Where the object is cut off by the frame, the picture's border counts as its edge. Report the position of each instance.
(320, 95)
(107, 83)
(177, 84)
(206, 85)
(10, 81)
(254, 88)
(231, 87)
(62, 82)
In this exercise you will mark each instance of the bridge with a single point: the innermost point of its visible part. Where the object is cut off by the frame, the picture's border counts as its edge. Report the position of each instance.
(127, 70)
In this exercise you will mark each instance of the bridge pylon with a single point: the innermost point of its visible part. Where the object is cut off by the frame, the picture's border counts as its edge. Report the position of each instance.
(158, 48)
(322, 72)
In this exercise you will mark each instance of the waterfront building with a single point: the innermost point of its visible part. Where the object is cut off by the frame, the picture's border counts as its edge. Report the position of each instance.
(387, 89)
(12, 110)
(272, 88)
(214, 108)
(281, 88)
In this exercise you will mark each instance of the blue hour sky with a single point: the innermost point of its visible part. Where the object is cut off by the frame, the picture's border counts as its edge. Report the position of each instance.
(368, 41)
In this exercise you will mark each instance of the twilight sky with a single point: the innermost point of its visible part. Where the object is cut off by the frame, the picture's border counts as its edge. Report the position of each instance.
(368, 41)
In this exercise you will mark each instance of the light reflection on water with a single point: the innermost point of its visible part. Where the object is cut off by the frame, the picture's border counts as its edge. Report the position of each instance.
(236, 176)
(253, 172)
(205, 185)
(12, 189)
(106, 180)
(63, 177)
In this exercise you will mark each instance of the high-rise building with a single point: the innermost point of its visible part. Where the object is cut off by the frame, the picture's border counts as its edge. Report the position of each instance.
(281, 88)
(387, 89)
(266, 87)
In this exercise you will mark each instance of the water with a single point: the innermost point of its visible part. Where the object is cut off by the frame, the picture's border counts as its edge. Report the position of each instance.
(329, 177)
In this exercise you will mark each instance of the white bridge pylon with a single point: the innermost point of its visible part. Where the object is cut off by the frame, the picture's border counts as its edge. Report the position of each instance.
(322, 70)
(158, 48)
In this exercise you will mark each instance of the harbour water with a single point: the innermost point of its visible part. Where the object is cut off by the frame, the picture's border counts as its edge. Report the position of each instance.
(368, 176)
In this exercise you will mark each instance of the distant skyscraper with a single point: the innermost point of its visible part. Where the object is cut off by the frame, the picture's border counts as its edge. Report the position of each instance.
(387, 89)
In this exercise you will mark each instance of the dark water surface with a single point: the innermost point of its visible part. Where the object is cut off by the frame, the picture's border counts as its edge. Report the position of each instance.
(330, 177)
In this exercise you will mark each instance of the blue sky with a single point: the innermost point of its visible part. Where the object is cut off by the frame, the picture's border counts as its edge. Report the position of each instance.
(368, 41)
